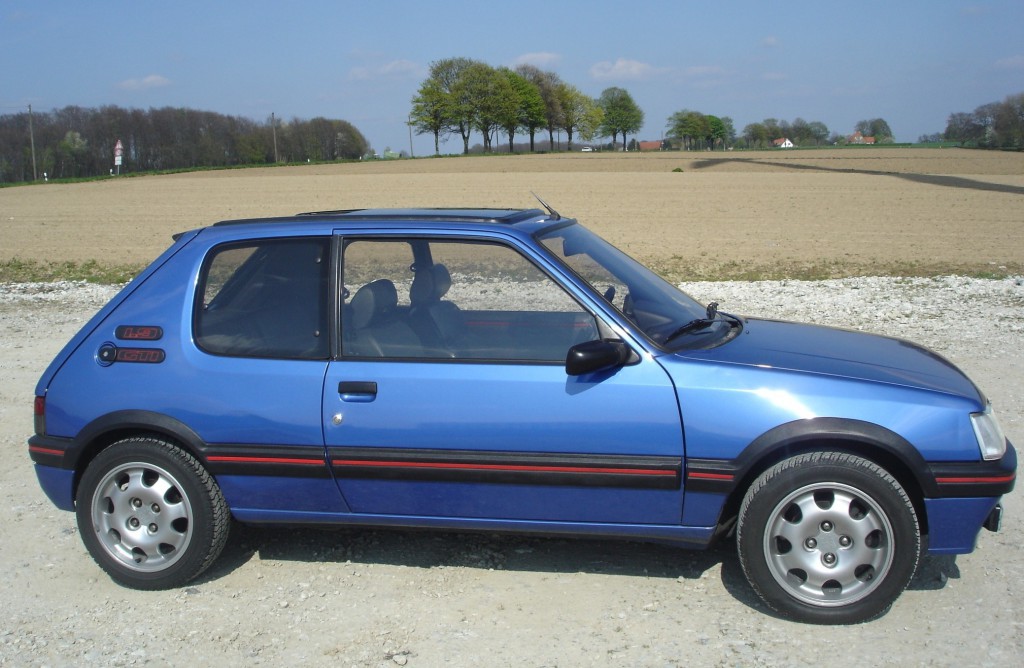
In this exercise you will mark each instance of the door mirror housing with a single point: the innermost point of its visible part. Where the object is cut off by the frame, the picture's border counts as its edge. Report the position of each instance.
(599, 355)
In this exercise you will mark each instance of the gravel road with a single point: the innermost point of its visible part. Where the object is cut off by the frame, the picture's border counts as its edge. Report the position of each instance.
(386, 598)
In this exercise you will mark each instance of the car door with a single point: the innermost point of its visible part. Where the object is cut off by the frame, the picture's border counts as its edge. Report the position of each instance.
(450, 397)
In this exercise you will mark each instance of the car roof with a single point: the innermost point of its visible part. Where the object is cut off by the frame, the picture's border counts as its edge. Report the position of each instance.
(446, 215)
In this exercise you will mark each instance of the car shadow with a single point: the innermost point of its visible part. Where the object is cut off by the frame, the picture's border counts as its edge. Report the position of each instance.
(437, 549)
(429, 549)
(928, 179)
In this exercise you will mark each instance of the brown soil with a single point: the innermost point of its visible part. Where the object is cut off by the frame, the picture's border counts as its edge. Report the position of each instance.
(741, 215)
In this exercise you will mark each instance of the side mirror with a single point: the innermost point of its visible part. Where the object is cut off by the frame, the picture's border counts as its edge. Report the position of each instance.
(596, 356)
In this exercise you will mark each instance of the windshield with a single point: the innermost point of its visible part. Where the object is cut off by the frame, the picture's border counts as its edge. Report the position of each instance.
(655, 306)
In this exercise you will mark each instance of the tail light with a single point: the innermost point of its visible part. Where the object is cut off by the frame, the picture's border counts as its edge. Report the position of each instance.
(39, 415)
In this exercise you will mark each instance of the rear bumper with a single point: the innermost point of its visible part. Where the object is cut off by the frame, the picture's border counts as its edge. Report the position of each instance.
(58, 484)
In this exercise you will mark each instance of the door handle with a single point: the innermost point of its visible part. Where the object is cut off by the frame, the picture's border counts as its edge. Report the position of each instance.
(357, 390)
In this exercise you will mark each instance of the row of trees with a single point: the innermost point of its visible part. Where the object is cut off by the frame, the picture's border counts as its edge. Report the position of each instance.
(461, 96)
(993, 125)
(800, 132)
(694, 131)
(77, 142)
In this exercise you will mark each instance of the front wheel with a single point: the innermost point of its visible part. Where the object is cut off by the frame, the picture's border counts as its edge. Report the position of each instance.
(828, 538)
(150, 515)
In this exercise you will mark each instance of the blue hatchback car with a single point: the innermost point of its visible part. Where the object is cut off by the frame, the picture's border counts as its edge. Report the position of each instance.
(502, 370)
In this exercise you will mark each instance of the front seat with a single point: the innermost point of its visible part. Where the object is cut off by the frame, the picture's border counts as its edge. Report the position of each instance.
(375, 326)
(438, 321)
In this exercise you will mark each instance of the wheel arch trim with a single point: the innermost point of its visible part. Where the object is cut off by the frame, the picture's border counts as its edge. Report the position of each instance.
(112, 427)
(886, 448)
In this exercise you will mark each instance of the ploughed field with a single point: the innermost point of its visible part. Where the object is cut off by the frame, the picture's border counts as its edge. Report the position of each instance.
(761, 214)
(362, 597)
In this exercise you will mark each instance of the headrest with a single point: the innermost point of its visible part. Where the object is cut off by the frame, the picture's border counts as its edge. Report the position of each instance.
(373, 301)
(442, 280)
(430, 285)
(422, 289)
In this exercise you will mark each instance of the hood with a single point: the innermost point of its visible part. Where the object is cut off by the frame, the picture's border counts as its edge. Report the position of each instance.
(842, 353)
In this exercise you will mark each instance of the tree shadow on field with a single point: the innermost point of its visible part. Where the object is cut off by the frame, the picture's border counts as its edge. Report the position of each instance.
(944, 180)
(430, 549)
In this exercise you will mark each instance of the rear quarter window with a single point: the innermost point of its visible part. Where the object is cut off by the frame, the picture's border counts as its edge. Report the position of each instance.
(266, 298)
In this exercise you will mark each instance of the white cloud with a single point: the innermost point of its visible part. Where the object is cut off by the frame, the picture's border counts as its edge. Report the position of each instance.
(773, 76)
(696, 71)
(145, 83)
(623, 69)
(770, 42)
(538, 59)
(394, 69)
(1011, 63)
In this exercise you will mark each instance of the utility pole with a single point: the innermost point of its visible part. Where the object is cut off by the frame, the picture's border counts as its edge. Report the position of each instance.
(411, 154)
(273, 128)
(32, 140)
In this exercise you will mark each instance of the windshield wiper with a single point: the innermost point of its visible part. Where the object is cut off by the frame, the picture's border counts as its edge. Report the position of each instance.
(696, 324)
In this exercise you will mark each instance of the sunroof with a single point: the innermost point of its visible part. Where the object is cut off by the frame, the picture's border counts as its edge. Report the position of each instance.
(469, 215)
(449, 215)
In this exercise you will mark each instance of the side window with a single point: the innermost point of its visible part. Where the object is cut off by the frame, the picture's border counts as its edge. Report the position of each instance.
(265, 299)
(455, 300)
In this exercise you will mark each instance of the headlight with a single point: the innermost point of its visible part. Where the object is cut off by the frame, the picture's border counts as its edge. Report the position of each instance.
(989, 434)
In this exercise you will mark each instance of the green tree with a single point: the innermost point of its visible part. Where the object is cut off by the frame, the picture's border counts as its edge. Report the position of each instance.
(1008, 122)
(429, 112)
(716, 133)
(71, 153)
(452, 79)
(687, 127)
(529, 109)
(621, 114)
(580, 114)
(548, 85)
(963, 128)
(819, 132)
(730, 131)
(772, 128)
(800, 132)
(877, 128)
(493, 97)
(756, 134)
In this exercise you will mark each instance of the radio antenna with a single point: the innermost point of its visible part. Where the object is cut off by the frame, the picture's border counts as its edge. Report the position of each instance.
(554, 214)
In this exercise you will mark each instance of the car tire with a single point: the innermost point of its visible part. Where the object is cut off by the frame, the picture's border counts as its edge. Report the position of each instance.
(828, 538)
(150, 514)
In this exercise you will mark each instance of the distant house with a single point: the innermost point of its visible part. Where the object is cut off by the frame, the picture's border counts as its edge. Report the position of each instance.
(649, 145)
(858, 138)
(782, 143)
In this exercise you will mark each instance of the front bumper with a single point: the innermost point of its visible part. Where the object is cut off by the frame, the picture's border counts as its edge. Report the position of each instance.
(965, 499)
(965, 479)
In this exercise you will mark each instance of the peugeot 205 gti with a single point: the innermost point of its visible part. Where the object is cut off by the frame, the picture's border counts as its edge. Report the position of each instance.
(502, 370)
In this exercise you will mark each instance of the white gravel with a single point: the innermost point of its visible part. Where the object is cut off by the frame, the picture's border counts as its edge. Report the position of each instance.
(376, 598)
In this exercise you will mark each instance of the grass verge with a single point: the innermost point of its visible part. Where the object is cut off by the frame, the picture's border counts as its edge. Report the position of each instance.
(678, 269)
(32, 271)
(675, 269)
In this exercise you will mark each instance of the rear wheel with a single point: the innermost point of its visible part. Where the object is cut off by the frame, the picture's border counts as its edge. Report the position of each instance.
(828, 538)
(150, 515)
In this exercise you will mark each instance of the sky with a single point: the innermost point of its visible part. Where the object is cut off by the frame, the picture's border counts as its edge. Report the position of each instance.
(910, 62)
